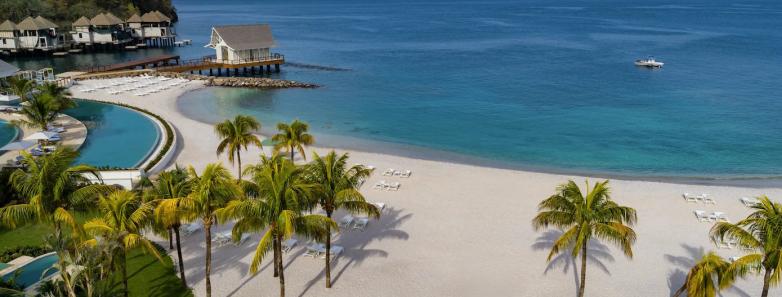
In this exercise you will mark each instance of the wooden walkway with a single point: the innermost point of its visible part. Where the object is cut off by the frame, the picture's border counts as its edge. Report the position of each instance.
(150, 62)
(210, 63)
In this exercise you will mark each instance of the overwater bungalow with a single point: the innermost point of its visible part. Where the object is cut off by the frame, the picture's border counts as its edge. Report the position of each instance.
(152, 29)
(104, 28)
(39, 34)
(242, 43)
(9, 37)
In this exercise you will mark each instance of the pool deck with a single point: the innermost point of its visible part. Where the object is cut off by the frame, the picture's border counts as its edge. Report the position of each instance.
(13, 264)
(74, 136)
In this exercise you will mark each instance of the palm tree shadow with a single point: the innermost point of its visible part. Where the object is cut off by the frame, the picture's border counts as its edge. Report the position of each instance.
(597, 254)
(354, 246)
(678, 275)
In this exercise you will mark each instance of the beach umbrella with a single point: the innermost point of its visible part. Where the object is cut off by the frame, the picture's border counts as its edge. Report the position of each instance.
(43, 135)
(17, 146)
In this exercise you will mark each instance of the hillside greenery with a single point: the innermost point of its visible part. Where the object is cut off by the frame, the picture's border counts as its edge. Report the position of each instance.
(66, 11)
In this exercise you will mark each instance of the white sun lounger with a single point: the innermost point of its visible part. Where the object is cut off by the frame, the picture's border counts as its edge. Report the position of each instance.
(701, 216)
(335, 251)
(345, 221)
(189, 229)
(389, 172)
(719, 217)
(406, 174)
(749, 201)
(689, 197)
(360, 224)
(380, 185)
(313, 250)
(393, 187)
(707, 199)
(288, 245)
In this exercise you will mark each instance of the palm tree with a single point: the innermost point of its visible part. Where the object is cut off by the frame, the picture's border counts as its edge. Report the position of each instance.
(39, 112)
(237, 134)
(123, 219)
(210, 191)
(581, 217)
(292, 138)
(707, 277)
(760, 233)
(52, 187)
(169, 186)
(20, 87)
(279, 194)
(61, 95)
(338, 189)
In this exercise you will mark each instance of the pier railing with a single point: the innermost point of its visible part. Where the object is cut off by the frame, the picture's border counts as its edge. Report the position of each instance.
(212, 61)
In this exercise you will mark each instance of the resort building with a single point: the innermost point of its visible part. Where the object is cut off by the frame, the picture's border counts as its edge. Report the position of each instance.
(242, 43)
(39, 34)
(104, 28)
(152, 29)
(6, 71)
(9, 37)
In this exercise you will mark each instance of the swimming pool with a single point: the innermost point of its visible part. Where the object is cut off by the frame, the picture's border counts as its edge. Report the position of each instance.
(116, 136)
(7, 133)
(34, 271)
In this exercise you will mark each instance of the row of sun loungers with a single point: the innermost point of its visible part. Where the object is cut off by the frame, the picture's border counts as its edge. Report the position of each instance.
(716, 216)
(705, 198)
(399, 173)
(318, 250)
(349, 222)
(223, 238)
(147, 85)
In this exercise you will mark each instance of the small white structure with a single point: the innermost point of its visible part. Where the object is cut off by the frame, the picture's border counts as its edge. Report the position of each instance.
(7, 70)
(9, 36)
(242, 43)
(126, 179)
(39, 34)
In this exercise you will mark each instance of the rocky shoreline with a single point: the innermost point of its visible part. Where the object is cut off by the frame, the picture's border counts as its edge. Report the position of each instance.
(237, 82)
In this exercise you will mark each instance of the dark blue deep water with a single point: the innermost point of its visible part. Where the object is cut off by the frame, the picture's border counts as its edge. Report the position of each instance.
(546, 85)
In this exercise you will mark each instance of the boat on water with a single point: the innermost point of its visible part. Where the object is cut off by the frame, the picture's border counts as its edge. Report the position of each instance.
(649, 62)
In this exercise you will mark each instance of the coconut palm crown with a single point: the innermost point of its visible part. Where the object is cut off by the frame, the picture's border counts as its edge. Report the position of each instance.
(237, 135)
(292, 137)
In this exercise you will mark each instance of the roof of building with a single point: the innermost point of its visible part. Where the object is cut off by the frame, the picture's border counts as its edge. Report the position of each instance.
(243, 37)
(7, 26)
(114, 18)
(82, 22)
(135, 18)
(154, 17)
(7, 70)
(103, 19)
(34, 24)
(48, 23)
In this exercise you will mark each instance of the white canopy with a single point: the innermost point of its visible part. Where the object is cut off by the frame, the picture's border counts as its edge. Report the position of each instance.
(18, 145)
(43, 135)
(7, 70)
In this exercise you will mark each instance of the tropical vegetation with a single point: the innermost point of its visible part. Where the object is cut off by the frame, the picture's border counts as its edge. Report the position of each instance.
(65, 12)
(584, 216)
(707, 277)
(235, 136)
(292, 138)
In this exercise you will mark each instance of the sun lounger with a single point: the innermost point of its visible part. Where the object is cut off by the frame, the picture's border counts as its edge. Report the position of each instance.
(288, 245)
(393, 187)
(389, 172)
(345, 221)
(380, 185)
(707, 199)
(360, 224)
(192, 228)
(380, 205)
(406, 174)
(335, 251)
(313, 250)
(690, 198)
(749, 201)
(719, 217)
(701, 216)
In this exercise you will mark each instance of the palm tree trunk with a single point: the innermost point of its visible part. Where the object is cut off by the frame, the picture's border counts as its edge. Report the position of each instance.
(275, 256)
(170, 239)
(208, 235)
(680, 290)
(766, 282)
(292, 153)
(278, 249)
(239, 162)
(582, 285)
(125, 271)
(179, 256)
(328, 253)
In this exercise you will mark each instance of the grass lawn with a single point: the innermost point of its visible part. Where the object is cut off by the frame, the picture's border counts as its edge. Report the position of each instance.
(147, 275)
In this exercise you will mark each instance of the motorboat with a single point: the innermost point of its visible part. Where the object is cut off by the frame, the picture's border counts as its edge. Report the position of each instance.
(649, 62)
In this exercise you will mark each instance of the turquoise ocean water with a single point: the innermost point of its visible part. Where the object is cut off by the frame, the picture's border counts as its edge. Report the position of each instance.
(544, 85)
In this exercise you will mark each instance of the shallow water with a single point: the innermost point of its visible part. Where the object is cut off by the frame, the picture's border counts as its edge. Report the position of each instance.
(527, 84)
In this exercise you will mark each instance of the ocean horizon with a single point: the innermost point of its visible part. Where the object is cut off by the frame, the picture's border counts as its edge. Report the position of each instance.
(516, 84)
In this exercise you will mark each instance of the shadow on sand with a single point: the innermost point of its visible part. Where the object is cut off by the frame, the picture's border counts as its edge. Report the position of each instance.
(597, 255)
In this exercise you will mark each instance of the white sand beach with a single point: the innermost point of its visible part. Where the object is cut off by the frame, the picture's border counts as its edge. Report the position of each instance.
(461, 230)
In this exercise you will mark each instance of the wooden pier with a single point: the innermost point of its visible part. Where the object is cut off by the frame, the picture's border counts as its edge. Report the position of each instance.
(150, 62)
(215, 66)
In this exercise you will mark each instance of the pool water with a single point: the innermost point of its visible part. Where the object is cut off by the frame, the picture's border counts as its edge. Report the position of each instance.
(7, 133)
(117, 137)
(34, 271)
